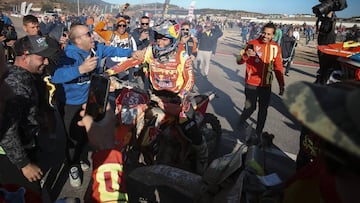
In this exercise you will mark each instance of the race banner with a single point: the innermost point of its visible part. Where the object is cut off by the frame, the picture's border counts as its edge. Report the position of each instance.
(28, 9)
(191, 11)
(166, 9)
(23, 8)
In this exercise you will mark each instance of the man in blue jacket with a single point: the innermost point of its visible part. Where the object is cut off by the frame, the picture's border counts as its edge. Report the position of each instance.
(73, 77)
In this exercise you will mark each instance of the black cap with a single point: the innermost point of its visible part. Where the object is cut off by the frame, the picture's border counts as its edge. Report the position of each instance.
(34, 45)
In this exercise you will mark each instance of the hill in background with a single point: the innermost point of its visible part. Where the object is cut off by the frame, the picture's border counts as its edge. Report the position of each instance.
(70, 6)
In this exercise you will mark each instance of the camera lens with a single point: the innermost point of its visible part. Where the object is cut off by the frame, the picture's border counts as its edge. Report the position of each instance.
(323, 8)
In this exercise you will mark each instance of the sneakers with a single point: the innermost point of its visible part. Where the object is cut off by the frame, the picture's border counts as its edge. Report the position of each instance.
(84, 166)
(74, 176)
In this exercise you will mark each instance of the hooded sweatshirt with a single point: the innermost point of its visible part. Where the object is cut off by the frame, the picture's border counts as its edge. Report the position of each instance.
(76, 85)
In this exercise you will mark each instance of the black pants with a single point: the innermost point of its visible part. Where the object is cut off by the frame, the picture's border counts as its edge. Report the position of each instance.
(327, 64)
(76, 135)
(253, 95)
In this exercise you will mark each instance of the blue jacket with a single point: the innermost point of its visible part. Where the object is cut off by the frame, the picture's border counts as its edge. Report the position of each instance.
(76, 85)
(6, 20)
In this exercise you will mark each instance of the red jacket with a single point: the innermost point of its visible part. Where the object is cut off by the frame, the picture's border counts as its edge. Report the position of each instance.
(259, 69)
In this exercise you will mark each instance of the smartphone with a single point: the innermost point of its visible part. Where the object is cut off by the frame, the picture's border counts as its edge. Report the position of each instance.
(145, 31)
(92, 53)
(97, 96)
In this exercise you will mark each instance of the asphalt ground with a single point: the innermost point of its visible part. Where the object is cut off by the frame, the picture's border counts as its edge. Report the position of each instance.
(226, 78)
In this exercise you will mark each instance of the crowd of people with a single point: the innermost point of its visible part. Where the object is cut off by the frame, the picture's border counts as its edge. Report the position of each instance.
(69, 53)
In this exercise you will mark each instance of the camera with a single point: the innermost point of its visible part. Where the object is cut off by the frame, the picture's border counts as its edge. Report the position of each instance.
(329, 5)
(8, 31)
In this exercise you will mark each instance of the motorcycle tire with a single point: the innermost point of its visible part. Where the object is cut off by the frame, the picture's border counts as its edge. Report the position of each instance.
(210, 128)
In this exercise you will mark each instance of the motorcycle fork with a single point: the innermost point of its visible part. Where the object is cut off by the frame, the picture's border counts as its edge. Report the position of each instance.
(184, 141)
(202, 104)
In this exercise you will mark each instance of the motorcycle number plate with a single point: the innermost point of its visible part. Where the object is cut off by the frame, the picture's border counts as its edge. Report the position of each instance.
(128, 115)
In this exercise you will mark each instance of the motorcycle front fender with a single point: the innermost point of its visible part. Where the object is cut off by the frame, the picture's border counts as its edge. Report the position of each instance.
(167, 180)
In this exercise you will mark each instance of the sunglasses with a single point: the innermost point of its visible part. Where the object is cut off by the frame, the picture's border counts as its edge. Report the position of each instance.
(184, 29)
(89, 34)
(121, 25)
(144, 23)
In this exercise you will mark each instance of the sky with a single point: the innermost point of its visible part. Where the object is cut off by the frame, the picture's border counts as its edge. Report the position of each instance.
(261, 6)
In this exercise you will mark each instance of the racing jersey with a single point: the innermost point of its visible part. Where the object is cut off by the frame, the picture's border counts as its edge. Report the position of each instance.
(172, 73)
(108, 177)
(259, 69)
(175, 74)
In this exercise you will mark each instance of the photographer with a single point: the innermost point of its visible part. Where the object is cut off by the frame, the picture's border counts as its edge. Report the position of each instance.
(189, 42)
(326, 15)
(8, 36)
(143, 35)
(325, 11)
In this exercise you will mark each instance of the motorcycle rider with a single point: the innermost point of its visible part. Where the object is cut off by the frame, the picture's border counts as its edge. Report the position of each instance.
(170, 75)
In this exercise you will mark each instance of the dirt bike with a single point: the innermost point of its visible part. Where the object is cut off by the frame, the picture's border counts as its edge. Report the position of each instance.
(149, 131)
(231, 178)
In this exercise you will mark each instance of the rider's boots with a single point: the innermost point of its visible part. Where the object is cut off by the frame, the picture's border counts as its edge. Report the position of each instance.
(199, 143)
(201, 157)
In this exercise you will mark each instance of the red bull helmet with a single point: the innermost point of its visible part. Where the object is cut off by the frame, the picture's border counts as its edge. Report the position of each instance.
(169, 29)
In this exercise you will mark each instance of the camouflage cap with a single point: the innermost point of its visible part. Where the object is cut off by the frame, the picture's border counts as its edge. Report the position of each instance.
(331, 112)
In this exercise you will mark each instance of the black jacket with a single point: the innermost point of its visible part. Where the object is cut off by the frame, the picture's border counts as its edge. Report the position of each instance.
(326, 30)
(287, 44)
(209, 42)
(21, 122)
(144, 43)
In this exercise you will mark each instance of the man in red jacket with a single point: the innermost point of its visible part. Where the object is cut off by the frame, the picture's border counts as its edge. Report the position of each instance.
(262, 57)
